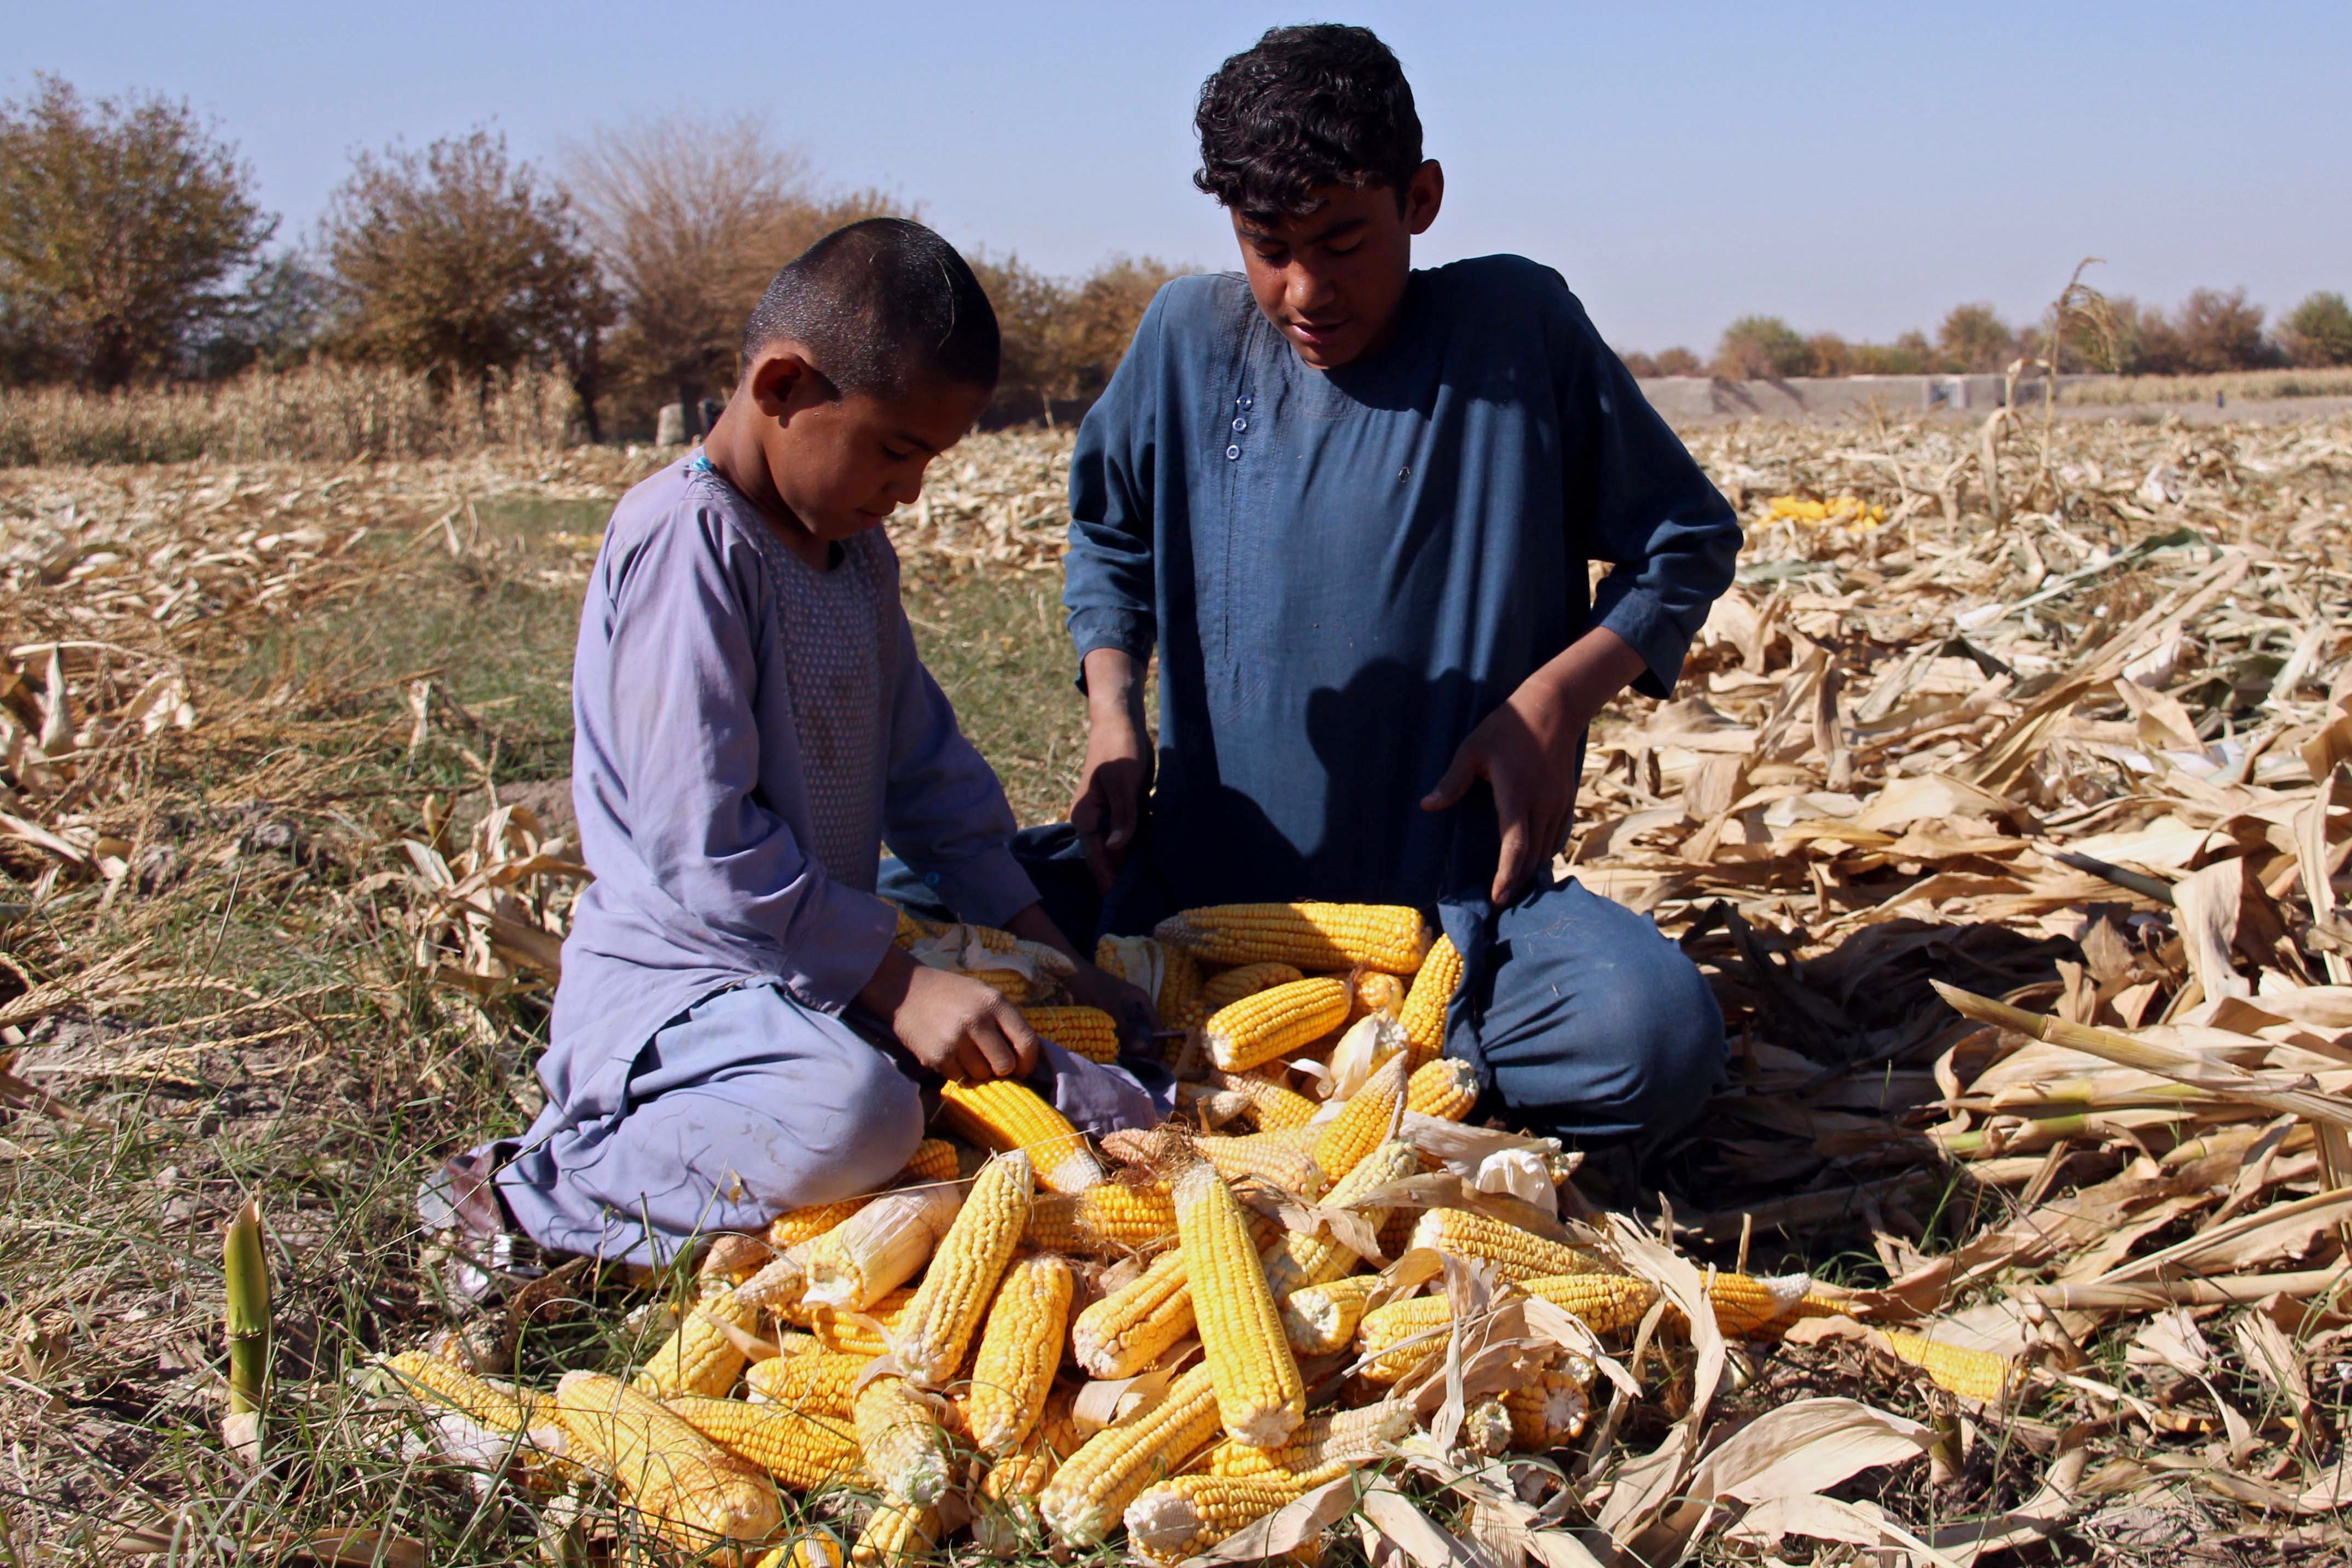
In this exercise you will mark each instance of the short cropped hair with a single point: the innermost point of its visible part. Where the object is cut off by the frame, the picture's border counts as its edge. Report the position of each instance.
(881, 305)
(1304, 107)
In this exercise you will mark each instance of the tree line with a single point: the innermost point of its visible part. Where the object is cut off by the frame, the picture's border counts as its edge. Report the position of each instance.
(133, 249)
(2209, 332)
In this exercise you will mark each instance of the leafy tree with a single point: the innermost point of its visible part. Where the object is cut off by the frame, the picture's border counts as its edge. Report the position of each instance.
(1974, 338)
(690, 218)
(121, 225)
(1909, 355)
(455, 261)
(2319, 331)
(1679, 362)
(1759, 347)
(284, 313)
(2223, 332)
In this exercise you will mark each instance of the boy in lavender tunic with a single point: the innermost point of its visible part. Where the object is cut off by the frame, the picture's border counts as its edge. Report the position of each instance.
(735, 1035)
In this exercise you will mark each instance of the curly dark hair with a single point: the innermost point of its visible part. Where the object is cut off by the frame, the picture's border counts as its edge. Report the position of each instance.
(1303, 108)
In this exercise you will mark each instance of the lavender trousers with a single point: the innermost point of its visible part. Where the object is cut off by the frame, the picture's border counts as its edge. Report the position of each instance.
(745, 1106)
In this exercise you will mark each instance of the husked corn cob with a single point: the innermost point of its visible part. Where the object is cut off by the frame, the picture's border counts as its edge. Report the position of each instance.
(1339, 1436)
(1281, 1159)
(847, 1332)
(818, 1383)
(1092, 1487)
(1230, 986)
(1261, 1398)
(1548, 1413)
(1443, 1088)
(1485, 1427)
(799, 1225)
(1362, 1123)
(1603, 1302)
(1007, 1521)
(1275, 1108)
(934, 1160)
(1425, 1005)
(1259, 1028)
(1979, 1374)
(818, 1550)
(1745, 1304)
(1516, 1254)
(440, 1383)
(777, 1288)
(1011, 984)
(1321, 1318)
(1310, 936)
(1376, 991)
(687, 1487)
(698, 1357)
(905, 1447)
(732, 1257)
(1004, 1116)
(910, 930)
(880, 1247)
(804, 1451)
(1188, 1514)
(1109, 1217)
(1300, 1259)
(1090, 1032)
(1401, 1335)
(1133, 1326)
(1020, 1349)
(1180, 984)
(930, 1339)
(895, 1535)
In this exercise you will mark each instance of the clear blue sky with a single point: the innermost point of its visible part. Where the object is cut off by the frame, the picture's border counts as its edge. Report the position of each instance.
(1853, 168)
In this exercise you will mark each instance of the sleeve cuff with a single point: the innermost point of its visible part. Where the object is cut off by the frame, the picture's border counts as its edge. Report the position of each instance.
(1132, 632)
(1639, 616)
(858, 927)
(987, 889)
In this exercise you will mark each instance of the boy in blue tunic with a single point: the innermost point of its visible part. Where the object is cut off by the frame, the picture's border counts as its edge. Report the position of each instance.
(1350, 505)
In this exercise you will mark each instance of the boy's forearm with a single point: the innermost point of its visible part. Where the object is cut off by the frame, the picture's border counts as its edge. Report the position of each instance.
(1114, 686)
(1033, 924)
(1586, 676)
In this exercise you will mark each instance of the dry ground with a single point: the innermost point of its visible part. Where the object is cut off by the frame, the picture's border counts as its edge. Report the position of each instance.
(234, 692)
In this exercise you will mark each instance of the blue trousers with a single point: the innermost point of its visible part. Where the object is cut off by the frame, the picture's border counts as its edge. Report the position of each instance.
(1583, 1021)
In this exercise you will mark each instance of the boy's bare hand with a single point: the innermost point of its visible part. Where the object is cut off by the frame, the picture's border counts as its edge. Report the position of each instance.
(1117, 773)
(1525, 750)
(958, 1027)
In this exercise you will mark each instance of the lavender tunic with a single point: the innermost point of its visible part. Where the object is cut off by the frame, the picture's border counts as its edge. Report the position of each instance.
(730, 824)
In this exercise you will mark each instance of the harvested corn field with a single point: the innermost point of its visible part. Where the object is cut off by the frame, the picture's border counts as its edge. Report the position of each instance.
(2004, 805)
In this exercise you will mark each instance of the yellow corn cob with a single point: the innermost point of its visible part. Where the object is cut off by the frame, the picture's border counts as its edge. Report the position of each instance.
(1011, 984)
(1020, 1349)
(807, 1224)
(802, 1450)
(441, 1383)
(880, 1247)
(1109, 1217)
(1006, 1524)
(805, 1551)
(1281, 1159)
(1746, 1305)
(1260, 1397)
(1442, 1088)
(1362, 1123)
(1394, 1333)
(1090, 1032)
(1423, 1017)
(687, 1488)
(1396, 1232)
(1375, 992)
(906, 1449)
(1321, 1318)
(910, 930)
(896, 1533)
(1485, 1427)
(847, 1332)
(1188, 1514)
(698, 1357)
(1230, 986)
(1051, 961)
(1132, 1327)
(1273, 1107)
(1259, 1028)
(1309, 935)
(1339, 1436)
(777, 1288)
(1979, 1374)
(934, 1160)
(1516, 1254)
(1092, 1487)
(818, 1382)
(1180, 985)
(930, 1339)
(731, 1259)
(1005, 1115)
(1300, 1259)
(1547, 1413)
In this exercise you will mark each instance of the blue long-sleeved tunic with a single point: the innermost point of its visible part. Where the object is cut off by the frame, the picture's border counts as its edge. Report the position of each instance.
(1344, 572)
